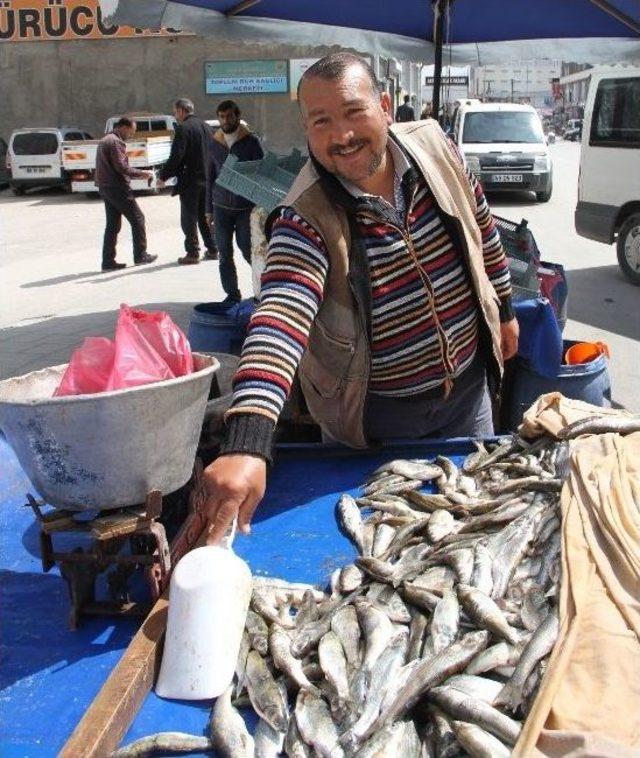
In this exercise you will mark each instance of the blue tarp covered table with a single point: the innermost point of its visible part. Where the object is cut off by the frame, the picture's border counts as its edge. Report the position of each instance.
(49, 675)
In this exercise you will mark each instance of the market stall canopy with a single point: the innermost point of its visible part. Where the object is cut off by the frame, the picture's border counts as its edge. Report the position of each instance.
(475, 31)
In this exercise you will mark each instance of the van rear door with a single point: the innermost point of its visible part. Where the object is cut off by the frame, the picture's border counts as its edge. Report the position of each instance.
(35, 155)
(610, 156)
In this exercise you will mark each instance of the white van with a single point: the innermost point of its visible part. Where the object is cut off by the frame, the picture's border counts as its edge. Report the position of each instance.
(505, 147)
(608, 206)
(34, 157)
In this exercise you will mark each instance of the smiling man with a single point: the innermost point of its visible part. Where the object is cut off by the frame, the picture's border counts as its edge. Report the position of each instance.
(386, 288)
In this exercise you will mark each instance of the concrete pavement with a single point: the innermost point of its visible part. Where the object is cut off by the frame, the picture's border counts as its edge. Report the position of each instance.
(52, 293)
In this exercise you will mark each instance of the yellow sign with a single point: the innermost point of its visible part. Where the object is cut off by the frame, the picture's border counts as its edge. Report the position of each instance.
(37, 20)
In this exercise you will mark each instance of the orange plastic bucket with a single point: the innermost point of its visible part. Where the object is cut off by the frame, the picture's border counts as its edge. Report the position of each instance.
(585, 352)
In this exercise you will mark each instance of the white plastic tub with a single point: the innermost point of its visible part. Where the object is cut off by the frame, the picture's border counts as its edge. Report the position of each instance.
(108, 450)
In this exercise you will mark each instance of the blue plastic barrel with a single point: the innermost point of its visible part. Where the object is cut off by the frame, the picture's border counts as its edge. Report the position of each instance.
(216, 328)
(584, 381)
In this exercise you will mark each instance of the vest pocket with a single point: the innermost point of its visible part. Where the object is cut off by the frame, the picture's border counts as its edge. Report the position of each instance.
(326, 361)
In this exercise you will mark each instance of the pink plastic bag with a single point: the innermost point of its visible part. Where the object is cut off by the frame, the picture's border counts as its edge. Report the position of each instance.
(148, 347)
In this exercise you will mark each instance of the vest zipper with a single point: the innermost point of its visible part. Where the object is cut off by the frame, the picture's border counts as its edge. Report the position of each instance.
(442, 339)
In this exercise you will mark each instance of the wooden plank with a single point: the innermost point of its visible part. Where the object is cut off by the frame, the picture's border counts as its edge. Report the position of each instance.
(105, 723)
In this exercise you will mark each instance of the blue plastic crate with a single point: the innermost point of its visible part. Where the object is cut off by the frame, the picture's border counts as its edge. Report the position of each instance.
(264, 182)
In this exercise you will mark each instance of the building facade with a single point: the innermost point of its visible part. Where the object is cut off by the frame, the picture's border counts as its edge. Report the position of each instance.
(519, 82)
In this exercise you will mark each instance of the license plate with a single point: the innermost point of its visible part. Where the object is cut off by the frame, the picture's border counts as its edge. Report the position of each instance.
(35, 169)
(507, 178)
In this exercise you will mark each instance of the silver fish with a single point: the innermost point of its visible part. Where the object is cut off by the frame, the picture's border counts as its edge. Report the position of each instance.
(622, 424)
(445, 621)
(493, 658)
(438, 579)
(462, 707)
(350, 578)
(440, 525)
(377, 629)
(261, 603)
(294, 745)
(384, 670)
(316, 725)
(479, 687)
(429, 673)
(344, 623)
(535, 608)
(265, 694)
(485, 611)
(334, 664)
(478, 742)
(228, 731)
(268, 742)
(446, 745)
(350, 520)
(241, 663)
(164, 742)
(482, 578)
(280, 649)
(308, 636)
(383, 539)
(417, 632)
(540, 645)
(307, 610)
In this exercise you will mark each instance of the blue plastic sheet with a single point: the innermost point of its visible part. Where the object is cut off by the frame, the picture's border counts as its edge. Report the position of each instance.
(540, 340)
(49, 675)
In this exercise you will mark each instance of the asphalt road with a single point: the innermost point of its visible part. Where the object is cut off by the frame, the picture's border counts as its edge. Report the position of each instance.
(52, 292)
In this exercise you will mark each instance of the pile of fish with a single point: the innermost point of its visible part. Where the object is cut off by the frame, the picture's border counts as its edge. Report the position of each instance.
(434, 640)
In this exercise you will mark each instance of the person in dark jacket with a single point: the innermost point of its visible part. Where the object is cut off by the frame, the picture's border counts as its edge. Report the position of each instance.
(405, 112)
(113, 178)
(188, 163)
(230, 212)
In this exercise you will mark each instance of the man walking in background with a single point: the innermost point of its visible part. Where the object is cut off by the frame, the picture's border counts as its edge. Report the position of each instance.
(405, 112)
(230, 212)
(113, 177)
(188, 163)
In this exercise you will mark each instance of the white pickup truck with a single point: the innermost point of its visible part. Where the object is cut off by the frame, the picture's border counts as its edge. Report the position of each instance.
(148, 150)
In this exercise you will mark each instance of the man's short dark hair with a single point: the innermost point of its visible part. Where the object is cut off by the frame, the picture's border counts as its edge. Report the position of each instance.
(125, 121)
(185, 104)
(333, 67)
(407, 98)
(228, 105)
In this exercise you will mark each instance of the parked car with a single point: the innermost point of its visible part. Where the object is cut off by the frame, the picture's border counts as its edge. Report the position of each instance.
(5, 176)
(608, 208)
(505, 147)
(34, 157)
(573, 130)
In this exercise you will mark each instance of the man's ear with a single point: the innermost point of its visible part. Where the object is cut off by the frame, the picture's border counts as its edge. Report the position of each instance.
(385, 104)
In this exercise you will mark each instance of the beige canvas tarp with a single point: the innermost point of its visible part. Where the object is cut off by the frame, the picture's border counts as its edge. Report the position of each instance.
(589, 701)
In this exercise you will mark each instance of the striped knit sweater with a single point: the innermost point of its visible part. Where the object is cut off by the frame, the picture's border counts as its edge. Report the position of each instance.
(423, 309)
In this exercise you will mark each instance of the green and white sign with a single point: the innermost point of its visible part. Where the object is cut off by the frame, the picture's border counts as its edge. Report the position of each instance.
(239, 77)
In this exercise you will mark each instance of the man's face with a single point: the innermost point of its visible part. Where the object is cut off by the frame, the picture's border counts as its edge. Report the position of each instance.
(229, 120)
(128, 131)
(346, 123)
(179, 114)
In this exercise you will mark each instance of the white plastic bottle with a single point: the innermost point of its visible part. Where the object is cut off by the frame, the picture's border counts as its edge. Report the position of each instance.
(208, 601)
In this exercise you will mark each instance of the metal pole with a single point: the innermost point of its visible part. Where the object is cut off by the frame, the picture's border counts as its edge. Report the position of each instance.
(439, 8)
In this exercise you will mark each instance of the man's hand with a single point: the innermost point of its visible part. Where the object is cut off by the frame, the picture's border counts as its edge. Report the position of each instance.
(235, 485)
(509, 332)
(149, 177)
(160, 184)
